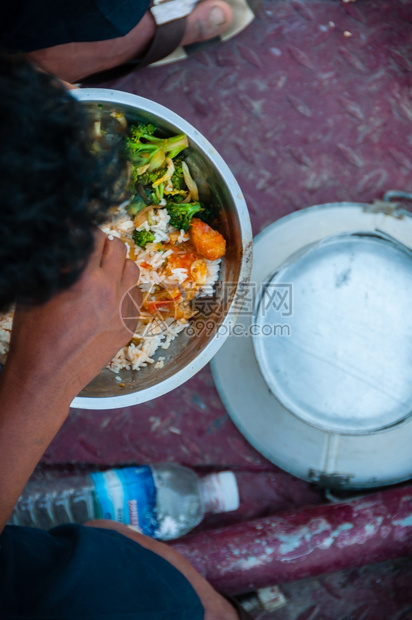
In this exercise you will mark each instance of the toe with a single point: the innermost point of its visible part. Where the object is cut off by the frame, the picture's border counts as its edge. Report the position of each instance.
(209, 19)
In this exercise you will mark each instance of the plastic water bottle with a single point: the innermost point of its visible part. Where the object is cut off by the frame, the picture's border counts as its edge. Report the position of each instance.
(164, 501)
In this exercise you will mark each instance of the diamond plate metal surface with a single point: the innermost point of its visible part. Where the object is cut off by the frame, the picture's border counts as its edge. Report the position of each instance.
(312, 103)
(303, 115)
(378, 592)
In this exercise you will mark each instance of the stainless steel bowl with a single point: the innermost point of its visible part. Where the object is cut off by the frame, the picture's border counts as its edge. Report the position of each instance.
(188, 353)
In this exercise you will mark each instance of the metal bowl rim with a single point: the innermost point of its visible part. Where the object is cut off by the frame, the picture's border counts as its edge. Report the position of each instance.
(103, 95)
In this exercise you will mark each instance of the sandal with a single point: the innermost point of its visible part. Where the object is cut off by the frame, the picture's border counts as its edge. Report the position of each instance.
(170, 17)
(243, 14)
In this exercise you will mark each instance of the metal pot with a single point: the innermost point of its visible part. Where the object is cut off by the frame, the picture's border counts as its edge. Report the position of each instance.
(189, 352)
(317, 375)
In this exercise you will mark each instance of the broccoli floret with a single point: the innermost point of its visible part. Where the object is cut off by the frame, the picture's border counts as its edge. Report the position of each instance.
(175, 199)
(141, 130)
(177, 179)
(136, 205)
(143, 184)
(175, 145)
(144, 148)
(148, 178)
(158, 194)
(181, 213)
(209, 213)
(143, 237)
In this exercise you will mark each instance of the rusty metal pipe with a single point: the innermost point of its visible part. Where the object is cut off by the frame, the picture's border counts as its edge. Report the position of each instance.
(309, 542)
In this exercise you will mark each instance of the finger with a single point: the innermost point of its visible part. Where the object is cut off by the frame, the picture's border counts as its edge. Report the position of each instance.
(69, 86)
(96, 256)
(130, 309)
(113, 257)
(132, 300)
(131, 274)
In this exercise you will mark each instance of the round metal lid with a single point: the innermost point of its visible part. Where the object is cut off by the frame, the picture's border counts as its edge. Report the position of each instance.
(342, 359)
(313, 442)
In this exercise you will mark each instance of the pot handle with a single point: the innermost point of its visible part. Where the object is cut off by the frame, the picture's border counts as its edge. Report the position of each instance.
(394, 194)
(392, 203)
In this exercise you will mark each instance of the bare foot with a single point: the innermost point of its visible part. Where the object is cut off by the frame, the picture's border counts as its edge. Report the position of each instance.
(209, 19)
(73, 61)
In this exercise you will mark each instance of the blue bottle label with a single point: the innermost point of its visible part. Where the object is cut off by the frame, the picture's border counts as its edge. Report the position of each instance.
(127, 496)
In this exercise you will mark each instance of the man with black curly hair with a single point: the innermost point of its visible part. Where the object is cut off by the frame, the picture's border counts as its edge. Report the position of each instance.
(67, 280)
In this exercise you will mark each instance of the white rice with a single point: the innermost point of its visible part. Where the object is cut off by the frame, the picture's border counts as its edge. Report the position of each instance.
(151, 333)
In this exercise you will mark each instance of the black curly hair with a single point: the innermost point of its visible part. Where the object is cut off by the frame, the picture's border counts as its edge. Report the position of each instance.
(53, 190)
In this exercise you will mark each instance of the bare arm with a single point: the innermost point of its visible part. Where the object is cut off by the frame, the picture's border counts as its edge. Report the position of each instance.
(55, 351)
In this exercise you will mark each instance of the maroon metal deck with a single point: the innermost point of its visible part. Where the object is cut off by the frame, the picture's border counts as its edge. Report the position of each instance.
(311, 104)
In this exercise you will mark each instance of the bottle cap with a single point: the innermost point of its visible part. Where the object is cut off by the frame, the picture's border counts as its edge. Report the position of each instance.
(220, 492)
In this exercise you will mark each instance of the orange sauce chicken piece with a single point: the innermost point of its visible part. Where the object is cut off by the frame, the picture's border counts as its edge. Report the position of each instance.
(208, 242)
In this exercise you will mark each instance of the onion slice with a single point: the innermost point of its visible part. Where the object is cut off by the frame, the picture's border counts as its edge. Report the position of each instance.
(194, 192)
(142, 215)
(168, 174)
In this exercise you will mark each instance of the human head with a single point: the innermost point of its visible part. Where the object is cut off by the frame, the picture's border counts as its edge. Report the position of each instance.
(53, 190)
